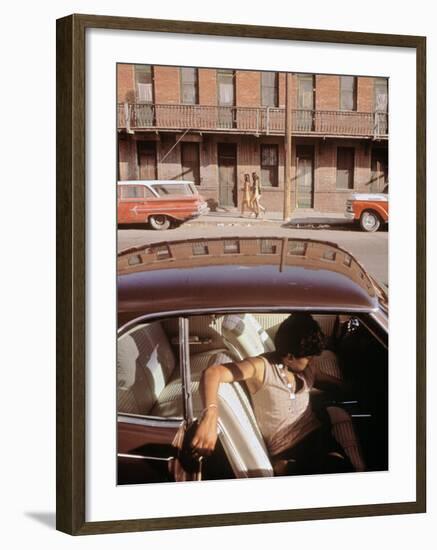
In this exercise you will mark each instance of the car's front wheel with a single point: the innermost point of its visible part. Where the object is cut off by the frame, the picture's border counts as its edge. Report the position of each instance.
(159, 222)
(369, 221)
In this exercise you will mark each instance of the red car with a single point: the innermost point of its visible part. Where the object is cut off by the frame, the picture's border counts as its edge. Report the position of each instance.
(159, 203)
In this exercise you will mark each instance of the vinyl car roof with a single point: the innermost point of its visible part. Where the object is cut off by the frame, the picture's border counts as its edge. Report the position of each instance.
(241, 273)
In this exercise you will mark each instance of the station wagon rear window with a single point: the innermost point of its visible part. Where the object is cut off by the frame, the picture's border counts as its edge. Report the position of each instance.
(162, 189)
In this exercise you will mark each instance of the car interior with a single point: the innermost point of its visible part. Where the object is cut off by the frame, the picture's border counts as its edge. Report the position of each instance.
(149, 384)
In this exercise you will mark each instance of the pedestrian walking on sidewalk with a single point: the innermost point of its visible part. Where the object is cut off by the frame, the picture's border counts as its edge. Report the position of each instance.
(256, 195)
(247, 195)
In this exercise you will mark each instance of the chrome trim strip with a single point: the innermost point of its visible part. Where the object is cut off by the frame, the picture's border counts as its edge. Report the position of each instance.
(154, 421)
(143, 457)
(185, 368)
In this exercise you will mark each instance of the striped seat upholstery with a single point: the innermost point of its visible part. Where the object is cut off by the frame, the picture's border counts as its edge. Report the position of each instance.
(145, 363)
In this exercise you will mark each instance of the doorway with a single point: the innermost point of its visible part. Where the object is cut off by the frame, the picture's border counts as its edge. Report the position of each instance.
(227, 167)
(305, 176)
(379, 167)
(147, 160)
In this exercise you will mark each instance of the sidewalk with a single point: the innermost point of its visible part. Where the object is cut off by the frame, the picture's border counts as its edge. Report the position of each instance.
(300, 217)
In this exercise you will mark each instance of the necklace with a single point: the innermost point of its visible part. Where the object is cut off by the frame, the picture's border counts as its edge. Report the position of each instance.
(283, 374)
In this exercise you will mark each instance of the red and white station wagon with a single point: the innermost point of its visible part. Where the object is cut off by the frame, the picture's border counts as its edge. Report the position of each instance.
(160, 203)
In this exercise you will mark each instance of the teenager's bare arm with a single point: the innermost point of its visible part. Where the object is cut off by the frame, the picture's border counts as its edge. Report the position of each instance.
(205, 438)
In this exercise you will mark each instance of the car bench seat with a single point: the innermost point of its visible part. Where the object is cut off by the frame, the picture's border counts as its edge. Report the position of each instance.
(148, 383)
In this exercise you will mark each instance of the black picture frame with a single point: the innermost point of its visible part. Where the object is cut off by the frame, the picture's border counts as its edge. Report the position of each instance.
(71, 253)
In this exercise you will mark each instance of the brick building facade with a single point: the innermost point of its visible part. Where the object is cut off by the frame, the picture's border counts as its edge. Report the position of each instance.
(213, 126)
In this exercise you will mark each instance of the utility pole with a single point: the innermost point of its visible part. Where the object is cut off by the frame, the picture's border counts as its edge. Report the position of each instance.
(287, 143)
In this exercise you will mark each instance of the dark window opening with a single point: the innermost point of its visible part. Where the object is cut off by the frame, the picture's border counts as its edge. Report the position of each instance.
(269, 165)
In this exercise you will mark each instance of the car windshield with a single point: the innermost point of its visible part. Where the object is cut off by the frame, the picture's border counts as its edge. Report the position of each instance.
(164, 189)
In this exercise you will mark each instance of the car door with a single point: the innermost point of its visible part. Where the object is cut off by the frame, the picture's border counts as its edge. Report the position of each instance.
(153, 447)
(130, 203)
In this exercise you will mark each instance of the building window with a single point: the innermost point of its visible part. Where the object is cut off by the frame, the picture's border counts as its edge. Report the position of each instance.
(190, 161)
(268, 246)
(329, 255)
(135, 259)
(189, 86)
(144, 83)
(345, 167)
(200, 248)
(348, 93)
(231, 246)
(269, 165)
(297, 248)
(305, 91)
(381, 94)
(269, 89)
(226, 87)
(162, 252)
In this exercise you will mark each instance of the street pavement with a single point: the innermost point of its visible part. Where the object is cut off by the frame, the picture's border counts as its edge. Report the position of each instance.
(371, 249)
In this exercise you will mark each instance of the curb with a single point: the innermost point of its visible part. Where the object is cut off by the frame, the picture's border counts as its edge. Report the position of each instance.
(296, 224)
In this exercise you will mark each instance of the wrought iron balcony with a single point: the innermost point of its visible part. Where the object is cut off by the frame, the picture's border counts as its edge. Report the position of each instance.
(250, 120)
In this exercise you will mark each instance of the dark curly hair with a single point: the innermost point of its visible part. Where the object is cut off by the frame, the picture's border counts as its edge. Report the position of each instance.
(300, 335)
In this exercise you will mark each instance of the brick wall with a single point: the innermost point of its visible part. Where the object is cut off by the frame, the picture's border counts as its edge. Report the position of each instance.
(248, 88)
(125, 83)
(327, 93)
(365, 94)
(207, 86)
(167, 84)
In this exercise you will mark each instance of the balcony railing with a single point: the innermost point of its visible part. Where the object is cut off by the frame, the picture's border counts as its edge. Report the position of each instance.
(253, 120)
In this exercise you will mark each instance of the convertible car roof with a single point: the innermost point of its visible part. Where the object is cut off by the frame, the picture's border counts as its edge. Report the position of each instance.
(241, 273)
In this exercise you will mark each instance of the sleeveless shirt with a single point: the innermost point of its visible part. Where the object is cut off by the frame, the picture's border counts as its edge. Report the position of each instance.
(284, 417)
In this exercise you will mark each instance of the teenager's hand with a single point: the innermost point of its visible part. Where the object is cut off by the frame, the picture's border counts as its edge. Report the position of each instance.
(205, 438)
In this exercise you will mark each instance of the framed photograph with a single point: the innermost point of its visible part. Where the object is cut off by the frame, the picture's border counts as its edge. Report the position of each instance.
(241, 315)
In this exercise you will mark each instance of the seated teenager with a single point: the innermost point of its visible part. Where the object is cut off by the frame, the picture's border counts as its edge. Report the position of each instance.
(299, 441)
